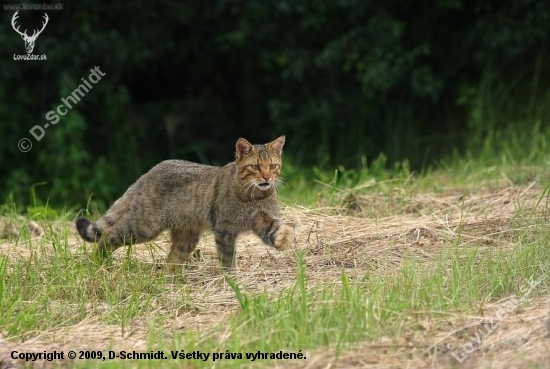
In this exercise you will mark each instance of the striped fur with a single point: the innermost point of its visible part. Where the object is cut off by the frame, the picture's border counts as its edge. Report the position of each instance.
(189, 198)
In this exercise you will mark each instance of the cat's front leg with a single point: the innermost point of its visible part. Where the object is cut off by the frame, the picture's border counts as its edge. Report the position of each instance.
(272, 231)
(225, 244)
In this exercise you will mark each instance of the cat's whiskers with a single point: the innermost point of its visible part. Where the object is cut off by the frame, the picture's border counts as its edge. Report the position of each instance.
(253, 193)
(278, 183)
(249, 186)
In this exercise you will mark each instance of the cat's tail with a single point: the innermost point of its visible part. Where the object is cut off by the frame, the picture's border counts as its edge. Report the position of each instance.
(88, 231)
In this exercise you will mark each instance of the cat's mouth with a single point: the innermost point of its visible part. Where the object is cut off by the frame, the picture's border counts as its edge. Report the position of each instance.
(264, 186)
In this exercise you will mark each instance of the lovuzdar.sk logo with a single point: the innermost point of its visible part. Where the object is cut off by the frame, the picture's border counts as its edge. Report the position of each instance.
(29, 40)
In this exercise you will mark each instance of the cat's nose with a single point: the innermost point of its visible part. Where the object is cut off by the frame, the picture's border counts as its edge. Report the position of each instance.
(266, 178)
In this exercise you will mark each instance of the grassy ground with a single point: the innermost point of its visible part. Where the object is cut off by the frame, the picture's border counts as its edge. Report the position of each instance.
(391, 269)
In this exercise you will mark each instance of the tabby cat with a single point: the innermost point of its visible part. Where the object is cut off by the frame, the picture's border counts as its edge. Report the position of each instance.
(189, 198)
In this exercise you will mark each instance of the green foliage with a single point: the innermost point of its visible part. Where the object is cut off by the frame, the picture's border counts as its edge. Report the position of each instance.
(344, 80)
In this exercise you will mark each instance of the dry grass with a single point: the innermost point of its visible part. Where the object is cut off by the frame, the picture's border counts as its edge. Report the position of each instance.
(359, 238)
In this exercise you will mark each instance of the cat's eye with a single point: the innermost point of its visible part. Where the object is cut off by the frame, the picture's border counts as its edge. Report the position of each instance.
(273, 166)
(255, 167)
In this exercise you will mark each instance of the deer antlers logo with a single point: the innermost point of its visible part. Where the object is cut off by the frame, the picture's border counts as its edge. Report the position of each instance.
(29, 40)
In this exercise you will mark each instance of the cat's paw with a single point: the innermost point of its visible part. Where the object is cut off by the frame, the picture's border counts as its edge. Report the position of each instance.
(171, 270)
(283, 238)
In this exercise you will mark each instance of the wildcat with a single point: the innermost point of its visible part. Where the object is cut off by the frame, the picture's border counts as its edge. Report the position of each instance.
(188, 198)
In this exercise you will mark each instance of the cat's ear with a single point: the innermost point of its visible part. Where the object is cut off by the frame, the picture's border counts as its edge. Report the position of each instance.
(243, 147)
(277, 145)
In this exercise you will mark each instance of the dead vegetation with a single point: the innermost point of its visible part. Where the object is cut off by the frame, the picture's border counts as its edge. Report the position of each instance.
(370, 233)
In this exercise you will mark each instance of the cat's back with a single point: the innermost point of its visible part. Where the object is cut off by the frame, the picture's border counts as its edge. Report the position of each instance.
(179, 171)
(182, 167)
(177, 190)
(171, 176)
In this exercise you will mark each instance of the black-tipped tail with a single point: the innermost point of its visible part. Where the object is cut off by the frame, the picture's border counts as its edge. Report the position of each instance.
(88, 231)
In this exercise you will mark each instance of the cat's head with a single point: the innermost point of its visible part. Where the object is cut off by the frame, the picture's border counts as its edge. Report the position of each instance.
(259, 165)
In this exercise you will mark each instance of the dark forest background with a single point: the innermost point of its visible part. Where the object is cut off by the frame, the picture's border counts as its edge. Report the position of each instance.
(345, 80)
